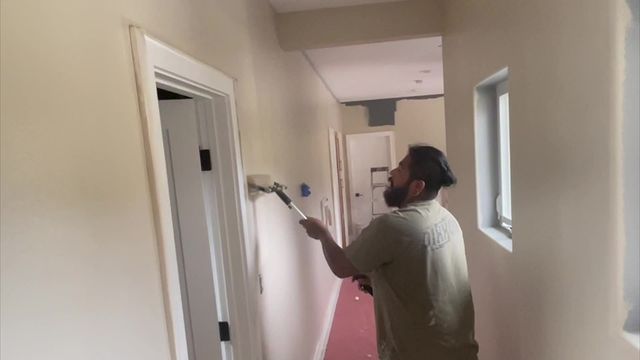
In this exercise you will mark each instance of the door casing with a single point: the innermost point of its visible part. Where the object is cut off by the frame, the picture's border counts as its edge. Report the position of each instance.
(158, 65)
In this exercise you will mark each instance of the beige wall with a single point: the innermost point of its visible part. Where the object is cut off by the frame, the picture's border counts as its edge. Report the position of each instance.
(289, 139)
(417, 121)
(559, 294)
(80, 274)
(359, 24)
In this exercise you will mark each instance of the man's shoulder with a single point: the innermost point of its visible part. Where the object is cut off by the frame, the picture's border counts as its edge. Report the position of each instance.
(392, 218)
(396, 221)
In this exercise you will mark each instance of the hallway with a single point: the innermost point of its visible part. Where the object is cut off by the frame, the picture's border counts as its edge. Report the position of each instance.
(541, 126)
(353, 332)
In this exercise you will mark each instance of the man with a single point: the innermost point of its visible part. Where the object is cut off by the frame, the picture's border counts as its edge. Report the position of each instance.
(416, 261)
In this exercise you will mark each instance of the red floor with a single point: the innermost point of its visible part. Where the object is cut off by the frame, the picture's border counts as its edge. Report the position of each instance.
(353, 333)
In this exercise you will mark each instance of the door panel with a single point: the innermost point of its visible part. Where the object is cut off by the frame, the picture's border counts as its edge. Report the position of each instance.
(195, 256)
(369, 155)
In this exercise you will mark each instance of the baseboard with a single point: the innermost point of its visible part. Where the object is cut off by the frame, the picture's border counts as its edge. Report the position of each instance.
(321, 348)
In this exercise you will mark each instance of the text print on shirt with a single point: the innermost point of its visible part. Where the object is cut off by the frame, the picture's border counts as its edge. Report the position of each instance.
(438, 235)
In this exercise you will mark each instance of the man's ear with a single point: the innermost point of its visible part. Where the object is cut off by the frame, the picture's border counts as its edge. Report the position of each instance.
(417, 187)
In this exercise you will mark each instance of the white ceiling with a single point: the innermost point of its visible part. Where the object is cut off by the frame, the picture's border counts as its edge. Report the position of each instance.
(393, 69)
(303, 5)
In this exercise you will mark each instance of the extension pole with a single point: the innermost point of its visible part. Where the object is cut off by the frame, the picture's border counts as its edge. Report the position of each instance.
(287, 201)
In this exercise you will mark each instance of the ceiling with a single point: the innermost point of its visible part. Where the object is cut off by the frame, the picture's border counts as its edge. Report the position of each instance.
(303, 5)
(394, 69)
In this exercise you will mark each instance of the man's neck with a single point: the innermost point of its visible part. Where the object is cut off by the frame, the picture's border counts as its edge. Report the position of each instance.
(415, 200)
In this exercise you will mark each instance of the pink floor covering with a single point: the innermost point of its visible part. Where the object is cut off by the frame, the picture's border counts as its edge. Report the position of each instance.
(353, 333)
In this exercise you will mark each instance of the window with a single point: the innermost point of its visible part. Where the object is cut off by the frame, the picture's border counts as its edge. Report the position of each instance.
(493, 158)
(503, 200)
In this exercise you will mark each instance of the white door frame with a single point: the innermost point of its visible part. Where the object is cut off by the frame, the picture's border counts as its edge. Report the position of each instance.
(339, 216)
(392, 156)
(156, 63)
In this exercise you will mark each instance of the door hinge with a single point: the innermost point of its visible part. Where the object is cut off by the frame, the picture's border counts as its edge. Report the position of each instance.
(205, 160)
(225, 334)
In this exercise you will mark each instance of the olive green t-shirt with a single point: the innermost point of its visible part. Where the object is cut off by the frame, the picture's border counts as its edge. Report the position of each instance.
(416, 261)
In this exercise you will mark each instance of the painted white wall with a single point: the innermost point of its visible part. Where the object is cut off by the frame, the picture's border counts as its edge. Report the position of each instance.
(417, 121)
(80, 274)
(559, 295)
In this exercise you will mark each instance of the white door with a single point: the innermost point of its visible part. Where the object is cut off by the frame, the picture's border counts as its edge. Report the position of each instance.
(371, 158)
(194, 248)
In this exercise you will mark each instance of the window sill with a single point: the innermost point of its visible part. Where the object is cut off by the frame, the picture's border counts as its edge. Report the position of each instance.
(499, 236)
(633, 338)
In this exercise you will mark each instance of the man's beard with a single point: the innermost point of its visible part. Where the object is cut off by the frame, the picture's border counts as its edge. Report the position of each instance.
(395, 196)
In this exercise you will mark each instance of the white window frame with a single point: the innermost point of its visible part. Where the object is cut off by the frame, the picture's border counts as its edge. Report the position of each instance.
(503, 199)
(487, 159)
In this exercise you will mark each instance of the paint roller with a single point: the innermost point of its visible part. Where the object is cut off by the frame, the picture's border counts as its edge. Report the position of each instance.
(258, 183)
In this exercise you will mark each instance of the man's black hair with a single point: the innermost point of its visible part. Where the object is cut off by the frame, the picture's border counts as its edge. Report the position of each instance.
(431, 166)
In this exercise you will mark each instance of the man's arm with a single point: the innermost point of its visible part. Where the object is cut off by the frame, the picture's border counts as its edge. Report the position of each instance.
(336, 258)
